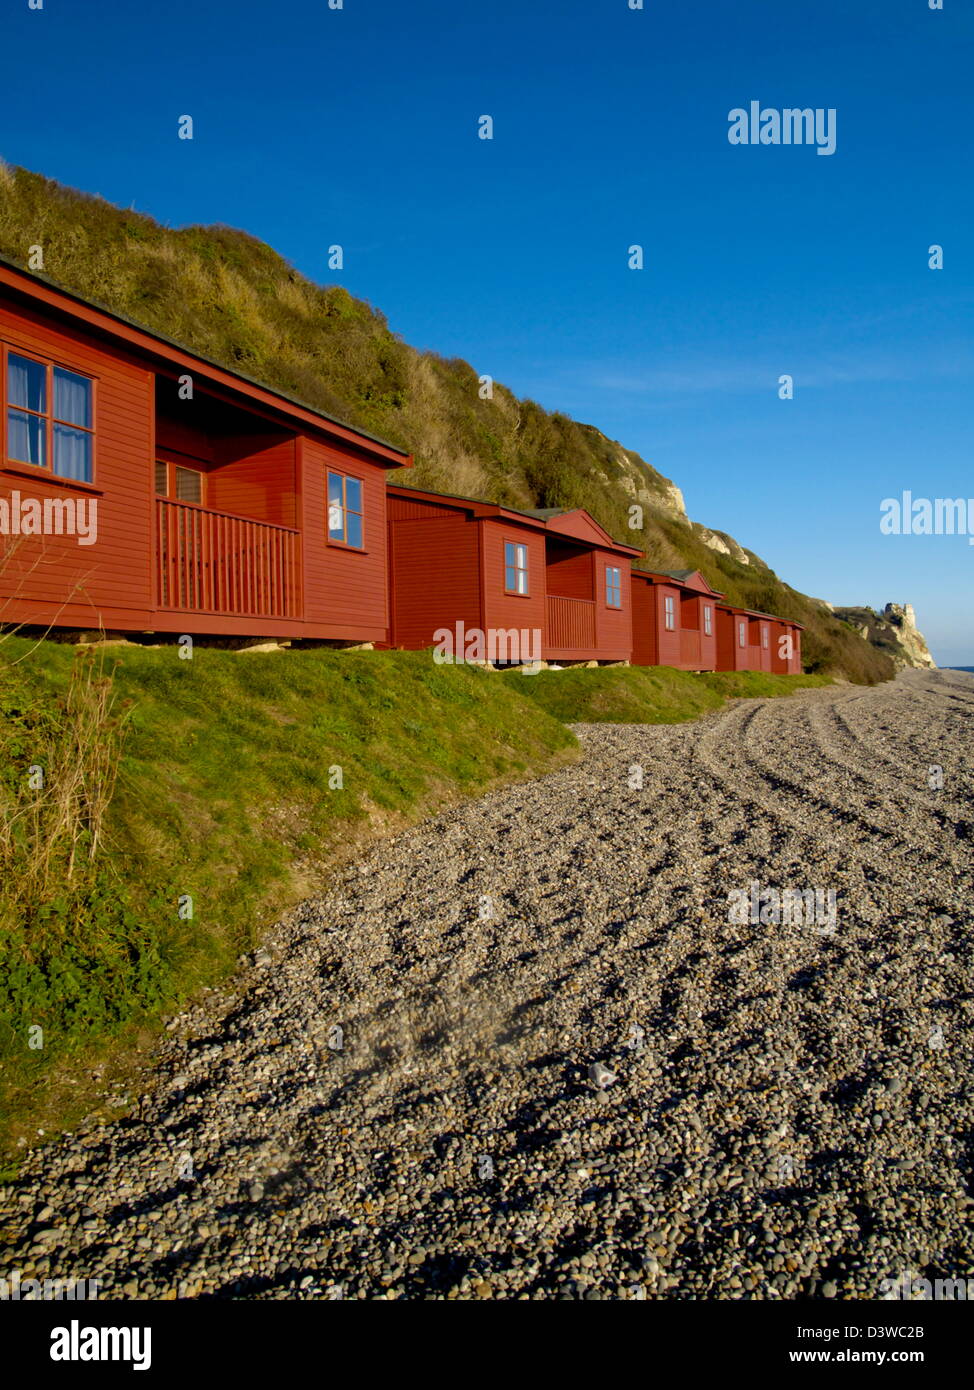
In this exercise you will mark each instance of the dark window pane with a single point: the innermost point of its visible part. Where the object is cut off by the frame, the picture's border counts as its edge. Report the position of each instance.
(26, 383)
(162, 478)
(72, 398)
(189, 485)
(353, 494)
(335, 488)
(25, 437)
(72, 453)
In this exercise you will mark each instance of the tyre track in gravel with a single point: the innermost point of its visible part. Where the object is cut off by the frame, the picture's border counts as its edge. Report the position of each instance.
(917, 701)
(787, 1120)
(950, 815)
(775, 795)
(818, 744)
(773, 777)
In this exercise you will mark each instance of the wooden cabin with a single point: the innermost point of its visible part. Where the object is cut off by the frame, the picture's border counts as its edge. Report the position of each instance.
(744, 639)
(494, 569)
(786, 647)
(145, 489)
(674, 615)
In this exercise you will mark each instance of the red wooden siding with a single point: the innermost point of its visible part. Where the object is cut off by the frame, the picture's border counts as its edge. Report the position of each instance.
(571, 570)
(448, 560)
(576, 576)
(345, 590)
(613, 625)
(785, 665)
(571, 627)
(260, 483)
(698, 648)
(754, 655)
(578, 525)
(687, 645)
(731, 656)
(645, 644)
(434, 573)
(761, 636)
(400, 507)
(667, 638)
(501, 609)
(53, 579)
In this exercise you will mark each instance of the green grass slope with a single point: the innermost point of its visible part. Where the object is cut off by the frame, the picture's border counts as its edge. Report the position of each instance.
(648, 694)
(233, 299)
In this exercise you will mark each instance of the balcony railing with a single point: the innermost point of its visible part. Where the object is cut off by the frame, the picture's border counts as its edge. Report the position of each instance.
(689, 647)
(212, 562)
(571, 623)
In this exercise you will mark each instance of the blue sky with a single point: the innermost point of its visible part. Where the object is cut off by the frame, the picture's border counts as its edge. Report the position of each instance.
(359, 127)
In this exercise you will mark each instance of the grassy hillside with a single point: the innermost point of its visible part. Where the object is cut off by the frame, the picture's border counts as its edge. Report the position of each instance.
(232, 298)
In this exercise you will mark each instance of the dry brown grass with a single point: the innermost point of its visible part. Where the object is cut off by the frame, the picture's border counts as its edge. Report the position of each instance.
(52, 818)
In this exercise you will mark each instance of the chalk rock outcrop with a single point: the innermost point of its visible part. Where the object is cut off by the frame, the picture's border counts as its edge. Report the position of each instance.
(893, 631)
(909, 636)
(720, 540)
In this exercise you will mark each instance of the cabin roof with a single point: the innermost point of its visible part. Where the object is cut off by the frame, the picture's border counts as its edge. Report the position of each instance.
(756, 613)
(537, 518)
(43, 290)
(686, 579)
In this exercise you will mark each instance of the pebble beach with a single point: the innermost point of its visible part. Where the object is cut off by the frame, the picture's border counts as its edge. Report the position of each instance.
(528, 1051)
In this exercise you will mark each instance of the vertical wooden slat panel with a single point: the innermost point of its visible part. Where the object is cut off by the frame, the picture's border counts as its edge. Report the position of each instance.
(235, 606)
(231, 567)
(571, 623)
(214, 563)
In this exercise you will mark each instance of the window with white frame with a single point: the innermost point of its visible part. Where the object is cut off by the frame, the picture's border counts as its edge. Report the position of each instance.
(613, 586)
(742, 633)
(515, 567)
(764, 634)
(345, 520)
(708, 620)
(669, 611)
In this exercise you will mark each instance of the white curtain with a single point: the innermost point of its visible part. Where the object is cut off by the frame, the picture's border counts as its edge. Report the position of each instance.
(25, 437)
(72, 398)
(72, 453)
(26, 383)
